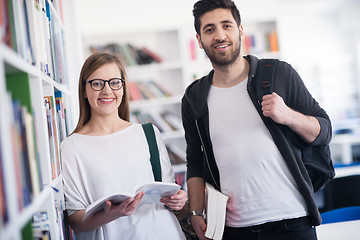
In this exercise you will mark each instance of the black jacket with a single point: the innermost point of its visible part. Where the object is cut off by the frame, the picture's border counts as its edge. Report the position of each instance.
(287, 84)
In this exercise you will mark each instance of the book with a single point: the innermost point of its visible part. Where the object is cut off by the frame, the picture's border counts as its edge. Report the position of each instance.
(53, 136)
(146, 92)
(41, 225)
(3, 204)
(176, 154)
(154, 191)
(134, 91)
(157, 58)
(215, 212)
(173, 120)
(31, 152)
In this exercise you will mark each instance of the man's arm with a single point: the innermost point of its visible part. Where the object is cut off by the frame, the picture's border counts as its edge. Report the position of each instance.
(307, 127)
(196, 193)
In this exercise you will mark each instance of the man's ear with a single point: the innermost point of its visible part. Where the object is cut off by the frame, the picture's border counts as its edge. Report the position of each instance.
(241, 30)
(199, 41)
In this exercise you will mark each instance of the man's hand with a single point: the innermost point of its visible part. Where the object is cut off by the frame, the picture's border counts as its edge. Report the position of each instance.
(199, 226)
(274, 107)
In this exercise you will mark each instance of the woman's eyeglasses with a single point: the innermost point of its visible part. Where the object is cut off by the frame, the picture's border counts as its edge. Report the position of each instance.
(99, 84)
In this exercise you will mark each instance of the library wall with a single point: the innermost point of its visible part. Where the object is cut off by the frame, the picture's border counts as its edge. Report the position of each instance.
(35, 116)
(320, 40)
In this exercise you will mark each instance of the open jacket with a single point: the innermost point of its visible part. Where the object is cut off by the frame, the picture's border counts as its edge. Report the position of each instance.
(288, 84)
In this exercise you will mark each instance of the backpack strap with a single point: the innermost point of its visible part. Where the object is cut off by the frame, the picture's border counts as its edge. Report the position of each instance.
(265, 73)
(153, 149)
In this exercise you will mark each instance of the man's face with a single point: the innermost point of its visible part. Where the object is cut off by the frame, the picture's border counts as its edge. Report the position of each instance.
(220, 37)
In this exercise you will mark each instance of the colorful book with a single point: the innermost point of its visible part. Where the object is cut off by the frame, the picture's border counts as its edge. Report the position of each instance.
(53, 135)
(134, 91)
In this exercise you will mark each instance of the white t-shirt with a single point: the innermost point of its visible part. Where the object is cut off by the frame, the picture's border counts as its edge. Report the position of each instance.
(252, 171)
(95, 166)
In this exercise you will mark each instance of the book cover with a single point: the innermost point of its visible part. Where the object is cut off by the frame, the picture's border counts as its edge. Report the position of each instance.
(41, 225)
(273, 41)
(154, 191)
(19, 86)
(215, 212)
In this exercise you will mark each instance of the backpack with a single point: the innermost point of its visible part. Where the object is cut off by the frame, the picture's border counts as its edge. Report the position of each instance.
(317, 159)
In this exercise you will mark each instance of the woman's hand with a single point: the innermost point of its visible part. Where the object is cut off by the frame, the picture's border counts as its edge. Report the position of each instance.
(175, 202)
(110, 213)
(126, 208)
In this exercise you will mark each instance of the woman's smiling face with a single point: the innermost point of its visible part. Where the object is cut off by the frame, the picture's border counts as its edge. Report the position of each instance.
(105, 101)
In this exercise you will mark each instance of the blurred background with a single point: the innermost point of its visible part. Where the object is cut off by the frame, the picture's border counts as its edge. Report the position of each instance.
(320, 38)
(44, 44)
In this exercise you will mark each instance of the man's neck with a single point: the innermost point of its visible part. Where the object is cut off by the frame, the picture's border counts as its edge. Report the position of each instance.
(231, 75)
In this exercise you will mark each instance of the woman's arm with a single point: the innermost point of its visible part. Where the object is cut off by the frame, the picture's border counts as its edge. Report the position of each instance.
(110, 213)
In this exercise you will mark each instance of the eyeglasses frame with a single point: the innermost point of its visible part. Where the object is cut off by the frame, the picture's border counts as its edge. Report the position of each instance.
(105, 81)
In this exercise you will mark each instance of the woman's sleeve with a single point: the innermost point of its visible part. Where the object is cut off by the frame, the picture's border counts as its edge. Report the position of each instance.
(74, 189)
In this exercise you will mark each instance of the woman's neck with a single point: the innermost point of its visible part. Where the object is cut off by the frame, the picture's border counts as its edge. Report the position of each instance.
(103, 126)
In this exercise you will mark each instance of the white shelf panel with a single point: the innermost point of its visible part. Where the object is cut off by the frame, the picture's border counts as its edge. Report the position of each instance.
(133, 70)
(139, 104)
(15, 63)
(173, 135)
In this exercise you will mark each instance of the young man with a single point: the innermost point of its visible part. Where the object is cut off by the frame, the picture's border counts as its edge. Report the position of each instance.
(229, 146)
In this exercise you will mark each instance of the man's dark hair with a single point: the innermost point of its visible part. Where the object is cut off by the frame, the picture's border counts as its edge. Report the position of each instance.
(203, 6)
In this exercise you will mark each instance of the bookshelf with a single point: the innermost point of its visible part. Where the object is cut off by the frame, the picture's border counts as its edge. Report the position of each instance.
(33, 70)
(260, 39)
(157, 80)
(179, 61)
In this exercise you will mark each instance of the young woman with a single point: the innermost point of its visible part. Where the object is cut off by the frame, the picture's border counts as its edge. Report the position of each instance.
(107, 154)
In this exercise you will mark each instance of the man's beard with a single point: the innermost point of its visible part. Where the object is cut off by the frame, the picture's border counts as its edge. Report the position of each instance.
(219, 60)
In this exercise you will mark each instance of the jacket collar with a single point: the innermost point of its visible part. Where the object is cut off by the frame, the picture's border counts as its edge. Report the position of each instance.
(199, 90)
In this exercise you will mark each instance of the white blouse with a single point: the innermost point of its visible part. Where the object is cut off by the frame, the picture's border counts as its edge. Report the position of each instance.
(95, 166)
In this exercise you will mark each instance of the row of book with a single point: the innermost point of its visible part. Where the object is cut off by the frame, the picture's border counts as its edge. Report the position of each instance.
(31, 29)
(165, 121)
(130, 54)
(24, 140)
(261, 42)
(177, 155)
(57, 129)
(25, 153)
(147, 90)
